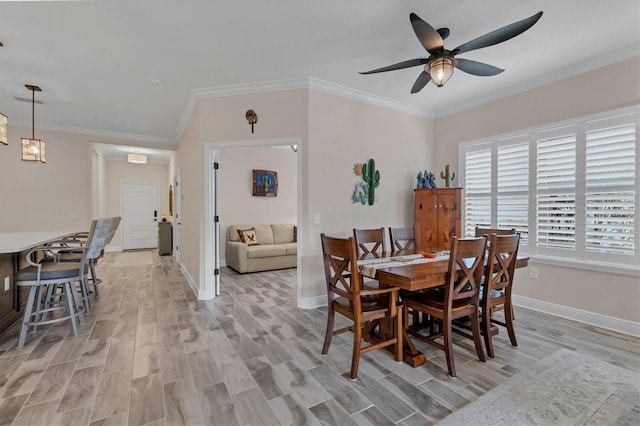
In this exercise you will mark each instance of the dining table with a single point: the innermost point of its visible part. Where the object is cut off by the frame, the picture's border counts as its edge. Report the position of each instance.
(411, 271)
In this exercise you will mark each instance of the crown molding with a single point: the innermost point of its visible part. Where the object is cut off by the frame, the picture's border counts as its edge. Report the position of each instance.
(251, 88)
(545, 79)
(309, 83)
(358, 95)
(95, 132)
(186, 115)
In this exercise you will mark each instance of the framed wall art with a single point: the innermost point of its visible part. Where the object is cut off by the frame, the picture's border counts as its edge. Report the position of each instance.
(265, 183)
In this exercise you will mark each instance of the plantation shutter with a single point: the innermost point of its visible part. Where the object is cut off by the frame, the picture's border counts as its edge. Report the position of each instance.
(556, 188)
(513, 185)
(610, 185)
(477, 190)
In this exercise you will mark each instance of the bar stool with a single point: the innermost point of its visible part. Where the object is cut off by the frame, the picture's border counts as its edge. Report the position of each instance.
(52, 283)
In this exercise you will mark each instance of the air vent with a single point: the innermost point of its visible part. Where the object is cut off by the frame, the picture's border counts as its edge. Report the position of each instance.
(27, 100)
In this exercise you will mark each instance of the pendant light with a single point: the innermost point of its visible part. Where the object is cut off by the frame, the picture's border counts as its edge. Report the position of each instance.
(33, 149)
(3, 129)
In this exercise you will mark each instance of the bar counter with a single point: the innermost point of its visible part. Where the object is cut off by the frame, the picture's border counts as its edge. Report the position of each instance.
(12, 248)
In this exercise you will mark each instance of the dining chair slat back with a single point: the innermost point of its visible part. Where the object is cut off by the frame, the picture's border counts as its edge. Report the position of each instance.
(402, 238)
(370, 241)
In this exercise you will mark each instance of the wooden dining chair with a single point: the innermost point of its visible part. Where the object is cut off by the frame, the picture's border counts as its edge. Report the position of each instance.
(496, 288)
(402, 238)
(498, 231)
(458, 299)
(361, 304)
(370, 241)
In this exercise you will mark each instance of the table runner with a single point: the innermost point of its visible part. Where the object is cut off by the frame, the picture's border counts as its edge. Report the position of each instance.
(368, 267)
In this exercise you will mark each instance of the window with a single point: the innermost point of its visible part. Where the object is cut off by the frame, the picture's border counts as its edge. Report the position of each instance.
(570, 189)
(503, 189)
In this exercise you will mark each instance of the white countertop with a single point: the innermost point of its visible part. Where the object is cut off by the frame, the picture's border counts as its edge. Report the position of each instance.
(14, 242)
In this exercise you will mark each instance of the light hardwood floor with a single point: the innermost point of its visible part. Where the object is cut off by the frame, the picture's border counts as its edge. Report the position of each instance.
(150, 353)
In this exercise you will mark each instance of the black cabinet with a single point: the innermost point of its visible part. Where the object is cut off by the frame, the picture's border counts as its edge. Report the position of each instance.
(165, 238)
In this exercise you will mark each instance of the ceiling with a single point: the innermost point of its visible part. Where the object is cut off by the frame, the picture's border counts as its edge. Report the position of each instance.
(97, 61)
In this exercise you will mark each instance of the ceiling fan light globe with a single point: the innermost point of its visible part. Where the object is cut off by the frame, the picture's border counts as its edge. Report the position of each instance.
(440, 70)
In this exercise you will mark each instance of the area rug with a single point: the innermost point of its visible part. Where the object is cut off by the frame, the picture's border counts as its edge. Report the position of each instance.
(565, 388)
(133, 258)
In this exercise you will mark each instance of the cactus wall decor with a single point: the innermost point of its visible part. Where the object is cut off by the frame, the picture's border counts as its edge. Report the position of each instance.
(372, 177)
(448, 176)
(364, 191)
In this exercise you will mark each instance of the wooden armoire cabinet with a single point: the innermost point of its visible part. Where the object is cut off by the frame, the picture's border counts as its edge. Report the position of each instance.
(437, 217)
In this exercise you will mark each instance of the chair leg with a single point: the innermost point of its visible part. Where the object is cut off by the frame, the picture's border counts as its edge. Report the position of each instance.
(399, 343)
(477, 340)
(486, 331)
(448, 347)
(27, 315)
(79, 310)
(508, 316)
(95, 280)
(84, 292)
(72, 313)
(329, 333)
(355, 357)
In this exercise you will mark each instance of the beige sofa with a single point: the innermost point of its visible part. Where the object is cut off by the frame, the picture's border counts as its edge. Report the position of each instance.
(277, 248)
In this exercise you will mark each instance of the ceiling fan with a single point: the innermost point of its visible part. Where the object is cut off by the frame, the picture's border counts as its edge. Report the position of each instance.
(441, 62)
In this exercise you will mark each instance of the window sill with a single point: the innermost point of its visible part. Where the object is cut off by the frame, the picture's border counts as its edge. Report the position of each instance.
(627, 270)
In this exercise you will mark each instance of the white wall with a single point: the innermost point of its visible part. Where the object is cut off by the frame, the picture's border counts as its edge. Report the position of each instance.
(237, 205)
(51, 196)
(604, 89)
(343, 132)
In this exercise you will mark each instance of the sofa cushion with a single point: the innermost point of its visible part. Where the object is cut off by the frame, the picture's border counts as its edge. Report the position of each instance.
(282, 233)
(290, 248)
(269, 250)
(248, 236)
(263, 232)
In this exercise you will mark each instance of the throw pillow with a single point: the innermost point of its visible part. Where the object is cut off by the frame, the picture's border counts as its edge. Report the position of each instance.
(248, 236)
(295, 234)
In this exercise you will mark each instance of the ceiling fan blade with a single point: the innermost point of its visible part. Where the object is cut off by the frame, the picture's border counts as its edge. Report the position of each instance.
(499, 35)
(477, 68)
(399, 66)
(428, 37)
(421, 81)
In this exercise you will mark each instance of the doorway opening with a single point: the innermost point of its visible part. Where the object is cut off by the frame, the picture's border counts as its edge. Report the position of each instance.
(213, 232)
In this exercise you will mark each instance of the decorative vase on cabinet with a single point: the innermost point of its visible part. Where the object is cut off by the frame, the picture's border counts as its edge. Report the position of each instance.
(437, 217)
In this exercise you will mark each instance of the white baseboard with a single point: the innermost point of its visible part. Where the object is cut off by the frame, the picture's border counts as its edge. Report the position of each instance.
(312, 302)
(109, 249)
(190, 280)
(610, 323)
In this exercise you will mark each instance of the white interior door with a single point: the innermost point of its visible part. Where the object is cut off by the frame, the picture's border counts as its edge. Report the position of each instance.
(139, 215)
